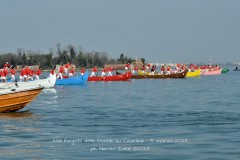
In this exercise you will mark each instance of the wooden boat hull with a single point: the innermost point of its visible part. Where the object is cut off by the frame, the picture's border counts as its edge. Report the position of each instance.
(209, 73)
(15, 99)
(160, 76)
(117, 77)
(80, 80)
(194, 73)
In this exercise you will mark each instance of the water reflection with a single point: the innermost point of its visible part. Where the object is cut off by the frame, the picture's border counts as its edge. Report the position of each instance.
(20, 114)
(17, 132)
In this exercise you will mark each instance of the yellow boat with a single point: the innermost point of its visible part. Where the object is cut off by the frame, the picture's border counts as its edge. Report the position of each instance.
(195, 73)
(140, 72)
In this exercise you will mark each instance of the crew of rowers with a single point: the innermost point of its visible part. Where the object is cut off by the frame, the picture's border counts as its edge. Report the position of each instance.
(67, 70)
(27, 73)
(32, 73)
(193, 67)
(167, 69)
(105, 70)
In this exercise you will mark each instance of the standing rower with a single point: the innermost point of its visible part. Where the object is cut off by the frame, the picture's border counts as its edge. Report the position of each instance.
(13, 72)
(66, 68)
(110, 71)
(60, 73)
(52, 73)
(4, 74)
(94, 70)
(82, 71)
(37, 73)
(72, 72)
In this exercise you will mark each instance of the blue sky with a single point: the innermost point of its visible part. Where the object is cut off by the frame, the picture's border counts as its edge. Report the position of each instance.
(158, 30)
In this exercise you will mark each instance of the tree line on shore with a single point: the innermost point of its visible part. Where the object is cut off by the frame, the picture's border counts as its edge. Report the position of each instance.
(62, 55)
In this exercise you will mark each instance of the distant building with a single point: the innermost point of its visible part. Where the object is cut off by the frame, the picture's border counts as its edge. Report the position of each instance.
(137, 63)
(34, 67)
(115, 66)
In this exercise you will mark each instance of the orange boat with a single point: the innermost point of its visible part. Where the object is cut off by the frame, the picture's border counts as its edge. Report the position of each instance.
(16, 98)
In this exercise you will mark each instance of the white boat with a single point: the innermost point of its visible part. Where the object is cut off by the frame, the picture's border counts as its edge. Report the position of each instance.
(48, 82)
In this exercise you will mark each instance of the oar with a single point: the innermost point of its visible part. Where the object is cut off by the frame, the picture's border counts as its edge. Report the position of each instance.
(9, 67)
(101, 78)
(16, 84)
(10, 83)
(144, 75)
(6, 85)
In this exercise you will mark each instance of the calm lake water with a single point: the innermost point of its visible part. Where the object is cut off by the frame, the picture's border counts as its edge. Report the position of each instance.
(192, 118)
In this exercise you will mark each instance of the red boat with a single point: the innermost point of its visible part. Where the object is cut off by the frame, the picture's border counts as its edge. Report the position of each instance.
(118, 77)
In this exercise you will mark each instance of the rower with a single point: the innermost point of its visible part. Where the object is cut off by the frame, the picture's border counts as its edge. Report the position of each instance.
(60, 73)
(162, 69)
(66, 68)
(110, 71)
(82, 71)
(94, 70)
(144, 68)
(4, 74)
(52, 73)
(135, 69)
(23, 74)
(72, 72)
(37, 73)
(153, 69)
(103, 72)
(13, 72)
(169, 70)
(6, 65)
(29, 73)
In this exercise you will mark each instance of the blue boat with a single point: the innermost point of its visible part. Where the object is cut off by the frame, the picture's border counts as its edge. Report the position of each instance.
(79, 80)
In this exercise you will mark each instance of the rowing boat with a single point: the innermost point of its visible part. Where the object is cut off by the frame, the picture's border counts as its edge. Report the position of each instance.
(211, 72)
(15, 99)
(161, 76)
(78, 80)
(118, 77)
(225, 70)
(195, 73)
(48, 82)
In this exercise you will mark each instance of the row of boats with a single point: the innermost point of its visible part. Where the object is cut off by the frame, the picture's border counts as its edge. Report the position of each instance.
(16, 95)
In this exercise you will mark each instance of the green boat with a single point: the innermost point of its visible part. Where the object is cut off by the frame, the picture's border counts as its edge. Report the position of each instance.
(225, 70)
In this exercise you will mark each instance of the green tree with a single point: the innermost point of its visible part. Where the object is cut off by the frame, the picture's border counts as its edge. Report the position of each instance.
(81, 60)
(49, 57)
(24, 58)
(143, 60)
(121, 59)
(73, 53)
